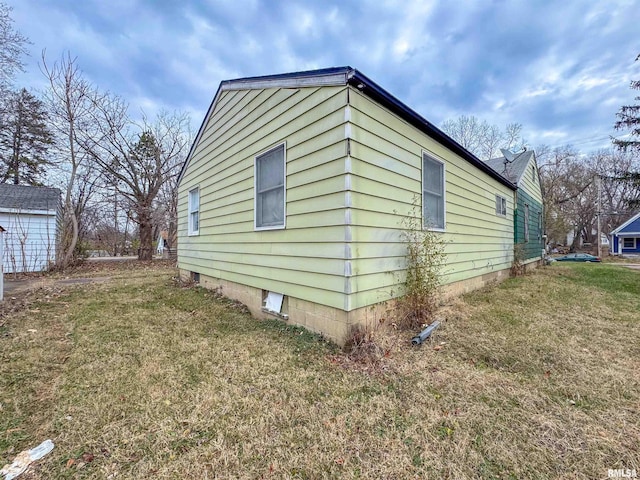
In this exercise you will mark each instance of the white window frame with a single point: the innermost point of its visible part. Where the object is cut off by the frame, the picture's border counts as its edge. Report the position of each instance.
(635, 242)
(539, 225)
(191, 210)
(257, 227)
(433, 158)
(501, 205)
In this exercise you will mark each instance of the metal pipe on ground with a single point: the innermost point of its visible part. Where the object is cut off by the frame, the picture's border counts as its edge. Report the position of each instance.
(426, 333)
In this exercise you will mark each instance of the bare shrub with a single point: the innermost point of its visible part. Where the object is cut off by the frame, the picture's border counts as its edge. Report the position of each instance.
(425, 259)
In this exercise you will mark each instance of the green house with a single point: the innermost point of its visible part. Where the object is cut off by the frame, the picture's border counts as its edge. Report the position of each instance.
(522, 170)
(292, 198)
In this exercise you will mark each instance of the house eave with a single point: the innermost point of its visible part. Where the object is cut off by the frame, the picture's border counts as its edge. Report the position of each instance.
(26, 211)
(335, 76)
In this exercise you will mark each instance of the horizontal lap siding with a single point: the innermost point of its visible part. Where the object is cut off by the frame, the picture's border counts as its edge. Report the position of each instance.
(305, 260)
(386, 176)
(29, 242)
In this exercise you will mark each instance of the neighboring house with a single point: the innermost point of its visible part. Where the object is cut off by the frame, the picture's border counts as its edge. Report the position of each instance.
(626, 238)
(292, 198)
(2, 230)
(30, 218)
(528, 230)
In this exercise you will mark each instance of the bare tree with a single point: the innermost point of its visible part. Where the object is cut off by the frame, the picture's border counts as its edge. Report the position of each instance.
(481, 138)
(140, 157)
(12, 47)
(70, 98)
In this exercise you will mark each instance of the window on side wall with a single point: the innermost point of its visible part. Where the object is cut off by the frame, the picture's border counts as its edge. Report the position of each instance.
(433, 201)
(628, 242)
(526, 223)
(194, 211)
(269, 189)
(539, 225)
(501, 206)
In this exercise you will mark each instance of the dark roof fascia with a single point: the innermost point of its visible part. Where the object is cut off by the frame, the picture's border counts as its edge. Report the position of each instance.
(347, 76)
(384, 98)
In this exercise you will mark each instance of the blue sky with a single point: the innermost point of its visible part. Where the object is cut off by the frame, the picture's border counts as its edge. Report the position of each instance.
(560, 68)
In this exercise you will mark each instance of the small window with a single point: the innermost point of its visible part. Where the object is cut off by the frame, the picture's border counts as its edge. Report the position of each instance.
(533, 173)
(629, 242)
(194, 211)
(539, 225)
(433, 201)
(269, 187)
(526, 223)
(501, 205)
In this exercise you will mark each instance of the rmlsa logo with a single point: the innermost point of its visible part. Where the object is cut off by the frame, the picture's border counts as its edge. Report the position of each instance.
(621, 473)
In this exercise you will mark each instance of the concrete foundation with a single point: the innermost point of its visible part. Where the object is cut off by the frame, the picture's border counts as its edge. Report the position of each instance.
(330, 322)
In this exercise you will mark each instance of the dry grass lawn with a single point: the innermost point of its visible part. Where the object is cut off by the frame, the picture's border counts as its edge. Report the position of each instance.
(138, 377)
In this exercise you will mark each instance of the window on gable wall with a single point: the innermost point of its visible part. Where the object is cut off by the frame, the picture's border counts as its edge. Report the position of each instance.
(526, 223)
(194, 211)
(501, 205)
(533, 173)
(433, 202)
(269, 189)
(628, 242)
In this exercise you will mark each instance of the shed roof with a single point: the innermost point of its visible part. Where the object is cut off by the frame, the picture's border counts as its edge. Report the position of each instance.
(513, 170)
(26, 197)
(348, 76)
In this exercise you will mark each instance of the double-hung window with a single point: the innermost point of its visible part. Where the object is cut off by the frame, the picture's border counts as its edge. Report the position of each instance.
(501, 206)
(269, 189)
(628, 242)
(433, 201)
(194, 211)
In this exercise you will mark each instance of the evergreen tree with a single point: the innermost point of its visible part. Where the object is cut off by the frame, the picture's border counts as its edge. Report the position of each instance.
(25, 139)
(629, 118)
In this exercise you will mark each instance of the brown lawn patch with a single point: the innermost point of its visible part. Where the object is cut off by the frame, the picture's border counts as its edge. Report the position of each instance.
(140, 378)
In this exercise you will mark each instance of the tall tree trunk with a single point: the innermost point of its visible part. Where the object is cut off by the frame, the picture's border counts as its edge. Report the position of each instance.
(146, 235)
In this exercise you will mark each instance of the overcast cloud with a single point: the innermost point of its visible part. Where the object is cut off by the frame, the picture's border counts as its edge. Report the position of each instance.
(561, 69)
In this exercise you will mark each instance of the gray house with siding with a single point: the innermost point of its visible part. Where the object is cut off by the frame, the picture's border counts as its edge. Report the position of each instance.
(29, 216)
(292, 198)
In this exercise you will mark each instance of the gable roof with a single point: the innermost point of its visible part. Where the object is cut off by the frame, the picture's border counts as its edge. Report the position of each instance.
(514, 170)
(26, 197)
(629, 226)
(335, 76)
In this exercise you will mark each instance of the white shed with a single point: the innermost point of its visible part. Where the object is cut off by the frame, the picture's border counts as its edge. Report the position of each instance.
(29, 216)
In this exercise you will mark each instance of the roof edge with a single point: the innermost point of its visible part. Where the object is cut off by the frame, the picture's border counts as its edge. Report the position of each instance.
(628, 222)
(346, 76)
(377, 93)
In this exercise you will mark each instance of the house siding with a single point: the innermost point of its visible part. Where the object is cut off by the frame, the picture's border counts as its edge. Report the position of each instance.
(532, 248)
(385, 177)
(529, 193)
(29, 241)
(632, 230)
(306, 260)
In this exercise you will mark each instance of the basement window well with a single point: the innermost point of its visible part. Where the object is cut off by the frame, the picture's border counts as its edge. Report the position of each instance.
(274, 303)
